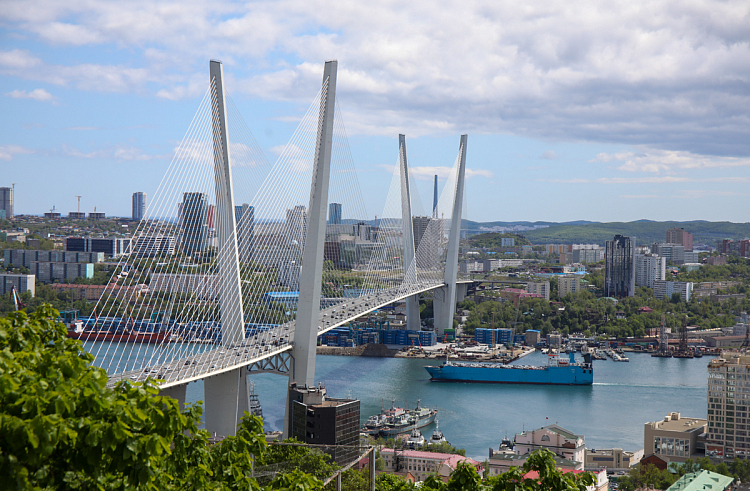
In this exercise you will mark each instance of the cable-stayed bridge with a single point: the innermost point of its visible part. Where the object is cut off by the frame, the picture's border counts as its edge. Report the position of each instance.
(239, 265)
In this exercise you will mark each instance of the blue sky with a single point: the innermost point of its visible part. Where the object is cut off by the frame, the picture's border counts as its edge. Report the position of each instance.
(601, 111)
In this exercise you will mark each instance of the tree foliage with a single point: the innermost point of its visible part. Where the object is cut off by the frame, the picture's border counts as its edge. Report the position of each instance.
(61, 427)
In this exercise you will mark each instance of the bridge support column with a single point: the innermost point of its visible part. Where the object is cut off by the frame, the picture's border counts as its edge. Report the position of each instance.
(410, 265)
(308, 305)
(230, 286)
(445, 307)
(227, 398)
(176, 392)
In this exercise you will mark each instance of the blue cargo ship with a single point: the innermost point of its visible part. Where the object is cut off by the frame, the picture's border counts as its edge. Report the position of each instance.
(558, 371)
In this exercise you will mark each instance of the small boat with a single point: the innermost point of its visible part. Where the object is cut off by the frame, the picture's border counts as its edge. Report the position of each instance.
(416, 439)
(437, 435)
(622, 358)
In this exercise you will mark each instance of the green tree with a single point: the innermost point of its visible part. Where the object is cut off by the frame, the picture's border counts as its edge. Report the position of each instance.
(542, 462)
(61, 427)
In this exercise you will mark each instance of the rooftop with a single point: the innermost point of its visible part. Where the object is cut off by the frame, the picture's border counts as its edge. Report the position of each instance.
(674, 422)
(703, 480)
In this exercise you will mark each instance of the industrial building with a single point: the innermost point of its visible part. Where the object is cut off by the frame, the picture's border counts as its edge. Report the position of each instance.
(619, 267)
(203, 286)
(317, 419)
(21, 282)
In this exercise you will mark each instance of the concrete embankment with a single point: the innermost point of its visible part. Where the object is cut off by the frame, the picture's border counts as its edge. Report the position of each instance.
(377, 350)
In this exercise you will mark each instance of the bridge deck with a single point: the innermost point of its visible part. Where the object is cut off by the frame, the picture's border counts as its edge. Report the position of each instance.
(227, 358)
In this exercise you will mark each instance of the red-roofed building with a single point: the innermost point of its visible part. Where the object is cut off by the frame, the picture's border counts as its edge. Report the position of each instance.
(645, 310)
(423, 464)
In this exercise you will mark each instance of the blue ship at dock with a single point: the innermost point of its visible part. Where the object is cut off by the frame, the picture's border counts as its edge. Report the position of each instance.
(558, 371)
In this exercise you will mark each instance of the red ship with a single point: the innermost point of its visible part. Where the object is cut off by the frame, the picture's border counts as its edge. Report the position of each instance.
(124, 337)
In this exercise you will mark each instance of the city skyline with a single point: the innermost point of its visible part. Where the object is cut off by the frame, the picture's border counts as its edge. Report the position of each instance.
(637, 114)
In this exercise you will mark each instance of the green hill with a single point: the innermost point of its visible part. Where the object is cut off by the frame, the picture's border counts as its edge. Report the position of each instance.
(645, 231)
(492, 240)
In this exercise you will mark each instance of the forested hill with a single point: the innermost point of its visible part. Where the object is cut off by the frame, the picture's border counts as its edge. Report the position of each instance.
(645, 231)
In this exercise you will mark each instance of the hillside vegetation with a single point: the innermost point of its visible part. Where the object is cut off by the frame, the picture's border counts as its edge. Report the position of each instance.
(493, 240)
(646, 232)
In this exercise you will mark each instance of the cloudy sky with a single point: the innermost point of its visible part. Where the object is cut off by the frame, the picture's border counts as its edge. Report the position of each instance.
(607, 111)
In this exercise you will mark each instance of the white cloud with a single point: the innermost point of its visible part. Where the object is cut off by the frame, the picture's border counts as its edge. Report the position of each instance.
(36, 94)
(658, 161)
(668, 75)
(8, 151)
(548, 155)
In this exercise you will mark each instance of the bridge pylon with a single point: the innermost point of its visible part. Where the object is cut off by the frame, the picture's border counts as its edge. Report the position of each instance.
(226, 394)
(444, 302)
(410, 264)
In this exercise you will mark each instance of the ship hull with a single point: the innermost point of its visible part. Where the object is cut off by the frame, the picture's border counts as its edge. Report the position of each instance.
(138, 337)
(492, 374)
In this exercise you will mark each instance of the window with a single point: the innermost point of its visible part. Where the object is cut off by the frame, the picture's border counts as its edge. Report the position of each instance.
(545, 438)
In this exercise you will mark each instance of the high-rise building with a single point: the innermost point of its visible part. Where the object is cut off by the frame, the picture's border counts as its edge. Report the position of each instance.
(649, 269)
(728, 404)
(320, 420)
(334, 214)
(619, 267)
(680, 236)
(435, 200)
(419, 227)
(568, 284)
(139, 205)
(672, 252)
(663, 290)
(296, 226)
(244, 215)
(6, 202)
(541, 288)
(194, 223)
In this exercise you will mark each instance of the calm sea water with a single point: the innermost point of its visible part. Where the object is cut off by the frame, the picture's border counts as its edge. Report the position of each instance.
(611, 413)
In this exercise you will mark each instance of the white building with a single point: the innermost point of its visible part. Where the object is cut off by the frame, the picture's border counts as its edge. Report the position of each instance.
(541, 288)
(649, 269)
(568, 284)
(557, 439)
(665, 289)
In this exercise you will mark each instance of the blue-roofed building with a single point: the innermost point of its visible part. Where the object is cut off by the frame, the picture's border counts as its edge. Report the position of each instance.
(288, 299)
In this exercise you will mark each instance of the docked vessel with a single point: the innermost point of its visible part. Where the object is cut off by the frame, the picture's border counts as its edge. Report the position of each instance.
(558, 371)
(417, 418)
(395, 420)
(437, 436)
(122, 337)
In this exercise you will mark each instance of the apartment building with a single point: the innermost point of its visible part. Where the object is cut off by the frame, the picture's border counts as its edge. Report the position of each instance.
(728, 401)
(649, 269)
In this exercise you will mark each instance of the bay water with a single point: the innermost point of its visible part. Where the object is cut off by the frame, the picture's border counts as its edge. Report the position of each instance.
(609, 413)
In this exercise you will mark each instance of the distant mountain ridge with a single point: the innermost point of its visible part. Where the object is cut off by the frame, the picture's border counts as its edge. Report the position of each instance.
(645, 231)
